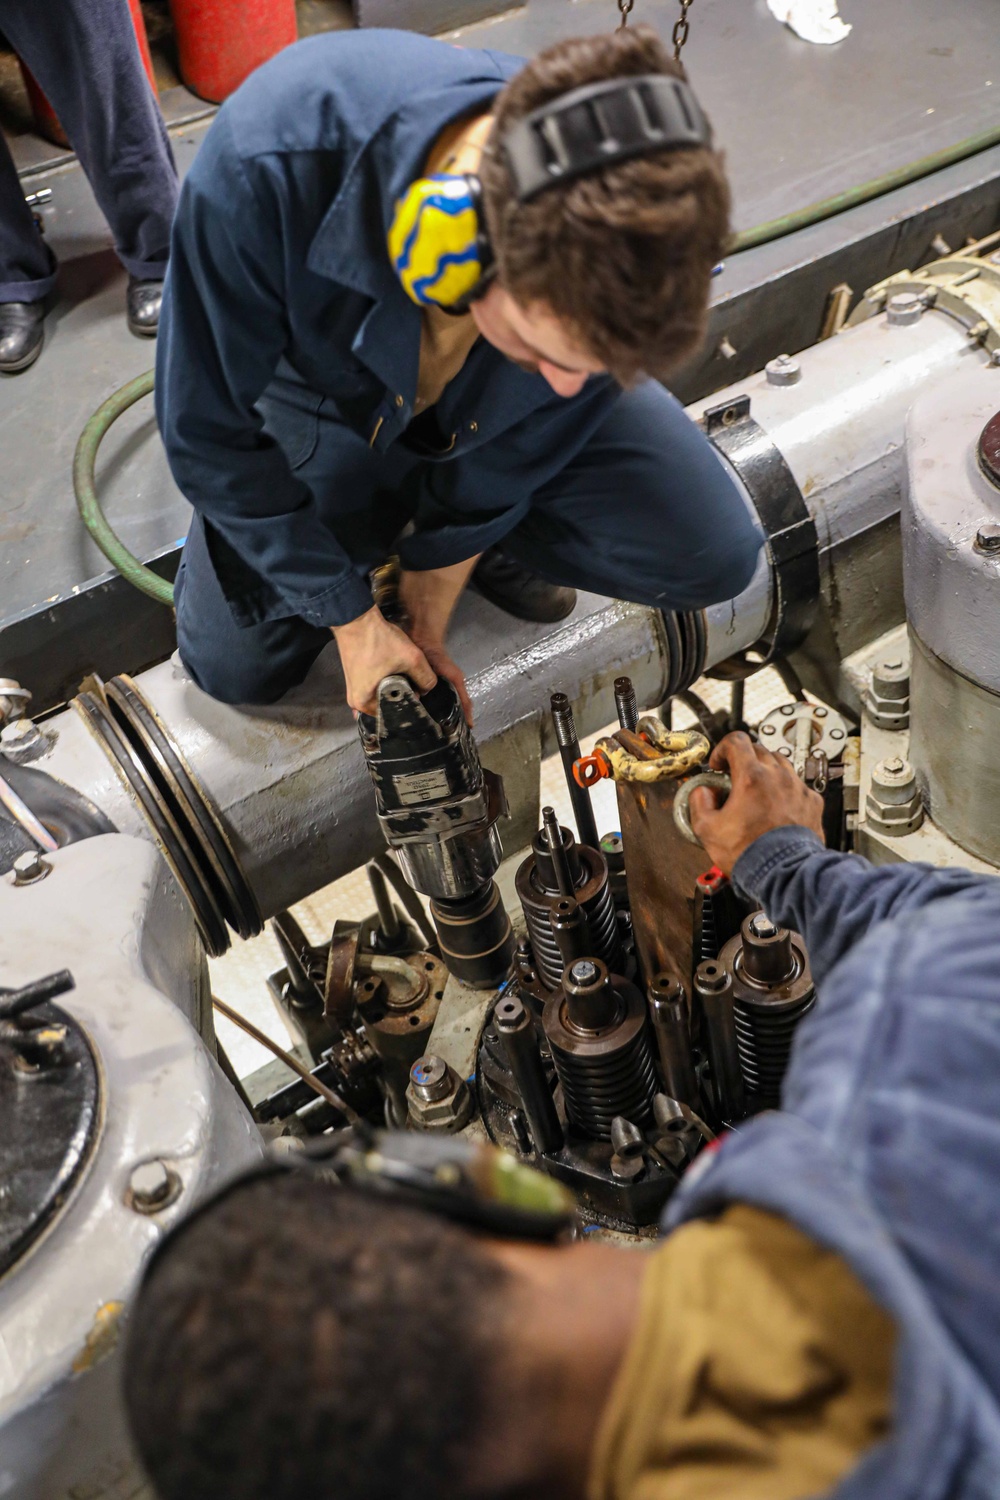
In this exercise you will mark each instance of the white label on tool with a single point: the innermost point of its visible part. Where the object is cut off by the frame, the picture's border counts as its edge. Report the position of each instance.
(421, 786)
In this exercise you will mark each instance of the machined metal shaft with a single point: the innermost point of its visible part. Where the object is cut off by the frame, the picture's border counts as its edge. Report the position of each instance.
(714, 987)
(569, 752)
(626, 703)
(520, 1044)
(668, 1010)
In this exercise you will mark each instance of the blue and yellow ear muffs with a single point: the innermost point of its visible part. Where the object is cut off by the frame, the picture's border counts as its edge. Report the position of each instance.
(438, 243)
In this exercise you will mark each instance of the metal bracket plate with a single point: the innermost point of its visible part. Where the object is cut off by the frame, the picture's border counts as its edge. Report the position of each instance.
(792, 543)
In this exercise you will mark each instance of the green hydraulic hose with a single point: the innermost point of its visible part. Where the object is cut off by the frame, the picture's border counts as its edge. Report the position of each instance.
(814, 213)
(88, 504)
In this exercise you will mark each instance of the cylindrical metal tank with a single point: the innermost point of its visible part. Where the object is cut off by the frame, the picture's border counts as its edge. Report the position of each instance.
(951, 551)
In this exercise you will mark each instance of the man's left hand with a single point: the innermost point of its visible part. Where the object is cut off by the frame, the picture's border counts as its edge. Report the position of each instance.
(444, 666)
(766, 794)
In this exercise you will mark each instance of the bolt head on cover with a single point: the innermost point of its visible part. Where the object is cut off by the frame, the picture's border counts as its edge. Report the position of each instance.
(152, 1186)
(30, 867)
(988, 539)
(783, 370)
(904, 307)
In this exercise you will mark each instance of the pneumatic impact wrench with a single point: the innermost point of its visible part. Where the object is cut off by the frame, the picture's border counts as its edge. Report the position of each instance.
(439, 810)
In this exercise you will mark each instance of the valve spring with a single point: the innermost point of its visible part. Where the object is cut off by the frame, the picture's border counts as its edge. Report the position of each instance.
(764, 1036)
(707, 935)
(597, 1088)
(601, 920)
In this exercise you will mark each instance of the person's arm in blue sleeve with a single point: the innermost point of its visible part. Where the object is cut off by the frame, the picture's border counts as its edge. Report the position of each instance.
(222, 333)
(768, 837)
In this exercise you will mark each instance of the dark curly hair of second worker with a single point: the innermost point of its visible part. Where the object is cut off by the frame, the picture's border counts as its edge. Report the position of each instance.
(303, 1341)
(624, 256)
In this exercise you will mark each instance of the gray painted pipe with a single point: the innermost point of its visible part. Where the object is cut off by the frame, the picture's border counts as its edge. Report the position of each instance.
(290, 781)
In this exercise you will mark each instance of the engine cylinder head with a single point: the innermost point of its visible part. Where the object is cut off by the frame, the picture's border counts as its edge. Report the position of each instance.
(599, 1043)
(543, 903)
(772, 991)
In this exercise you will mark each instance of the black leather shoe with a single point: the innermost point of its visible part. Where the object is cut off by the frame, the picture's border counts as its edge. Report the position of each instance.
(22, 330)
(510, 587)
(142, 305)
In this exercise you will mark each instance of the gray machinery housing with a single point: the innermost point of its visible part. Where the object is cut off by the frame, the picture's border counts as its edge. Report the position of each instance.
(223, 817)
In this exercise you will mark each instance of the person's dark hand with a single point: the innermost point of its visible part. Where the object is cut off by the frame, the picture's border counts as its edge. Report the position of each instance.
(766, 794)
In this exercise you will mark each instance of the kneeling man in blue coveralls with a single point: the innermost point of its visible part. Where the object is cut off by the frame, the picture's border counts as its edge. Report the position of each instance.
(418, 304)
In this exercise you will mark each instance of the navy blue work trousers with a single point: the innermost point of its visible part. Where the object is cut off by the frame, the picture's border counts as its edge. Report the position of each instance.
(645, 512)
(85, 56)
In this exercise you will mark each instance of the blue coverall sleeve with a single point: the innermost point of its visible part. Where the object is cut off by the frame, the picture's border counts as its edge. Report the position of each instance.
(221, 336)
(834, 899)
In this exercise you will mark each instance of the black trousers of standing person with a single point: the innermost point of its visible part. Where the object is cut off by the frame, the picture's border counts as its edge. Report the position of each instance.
(86, 58)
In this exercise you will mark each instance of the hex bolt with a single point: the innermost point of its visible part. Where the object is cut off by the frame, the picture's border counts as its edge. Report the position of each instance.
(13, 698)
(988, 540)
(887, 696)
(894, 805)
(436, 1098)
(152, 1187)
(21, 740)
(904, 308)
(783, 370)
(429, 1078)
(30, 867)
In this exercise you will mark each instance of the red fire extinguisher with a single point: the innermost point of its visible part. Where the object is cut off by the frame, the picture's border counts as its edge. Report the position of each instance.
(46, 119)
(220, 42)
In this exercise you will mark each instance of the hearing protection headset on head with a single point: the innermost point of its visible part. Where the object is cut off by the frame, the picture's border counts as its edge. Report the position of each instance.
(438, 241)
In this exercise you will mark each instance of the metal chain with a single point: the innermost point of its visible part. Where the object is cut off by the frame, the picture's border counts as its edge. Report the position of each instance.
(681, 28)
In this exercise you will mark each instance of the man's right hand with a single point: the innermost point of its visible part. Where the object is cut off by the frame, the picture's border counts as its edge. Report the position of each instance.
(370, 649)
(766, 794)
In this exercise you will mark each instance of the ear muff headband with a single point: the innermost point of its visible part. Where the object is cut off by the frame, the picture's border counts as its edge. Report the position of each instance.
(437, 243)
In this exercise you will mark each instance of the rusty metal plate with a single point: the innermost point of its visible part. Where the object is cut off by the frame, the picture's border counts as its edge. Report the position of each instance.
(661, 869)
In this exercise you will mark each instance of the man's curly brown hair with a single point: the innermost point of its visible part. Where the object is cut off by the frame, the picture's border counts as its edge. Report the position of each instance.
(624, 256)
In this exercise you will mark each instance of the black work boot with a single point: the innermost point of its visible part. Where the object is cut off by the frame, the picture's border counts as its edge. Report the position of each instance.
(510, 587)
(22, 329)
(142, 305)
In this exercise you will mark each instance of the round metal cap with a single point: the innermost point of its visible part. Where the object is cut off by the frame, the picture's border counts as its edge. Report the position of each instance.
(783, 370)
(904, 307)
(584, 971)
(989, 450)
